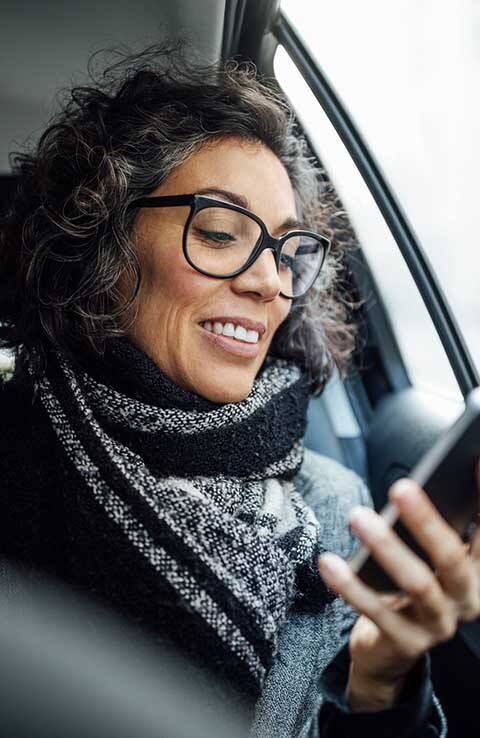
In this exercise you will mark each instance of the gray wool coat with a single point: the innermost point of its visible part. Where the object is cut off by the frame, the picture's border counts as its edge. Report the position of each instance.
(292, 697)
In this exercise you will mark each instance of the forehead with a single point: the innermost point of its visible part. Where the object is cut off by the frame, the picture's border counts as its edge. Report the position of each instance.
(248, 168)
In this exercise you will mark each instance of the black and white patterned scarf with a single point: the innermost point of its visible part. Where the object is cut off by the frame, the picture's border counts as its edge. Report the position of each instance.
(205, 493)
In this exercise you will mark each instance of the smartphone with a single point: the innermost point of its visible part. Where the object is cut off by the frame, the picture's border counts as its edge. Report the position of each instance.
(448, 474)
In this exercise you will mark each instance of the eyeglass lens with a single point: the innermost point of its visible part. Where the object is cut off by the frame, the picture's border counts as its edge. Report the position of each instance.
(220, 241)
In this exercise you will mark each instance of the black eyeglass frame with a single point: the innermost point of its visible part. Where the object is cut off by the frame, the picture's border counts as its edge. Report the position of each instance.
(265, 241)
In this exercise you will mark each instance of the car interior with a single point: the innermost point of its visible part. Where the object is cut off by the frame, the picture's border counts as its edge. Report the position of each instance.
(375, 420)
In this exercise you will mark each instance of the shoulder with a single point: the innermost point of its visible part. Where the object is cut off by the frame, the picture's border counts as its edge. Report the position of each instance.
(32, 522)
(16, 406)
(331, 490)
(25, 436)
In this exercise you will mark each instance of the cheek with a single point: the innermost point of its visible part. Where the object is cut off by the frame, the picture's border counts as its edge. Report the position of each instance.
(283, 310)
(160, 256)
(168, 280)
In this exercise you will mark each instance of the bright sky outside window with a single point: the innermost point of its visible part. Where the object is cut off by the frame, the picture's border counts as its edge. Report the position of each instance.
(426, 360)
(408, 73)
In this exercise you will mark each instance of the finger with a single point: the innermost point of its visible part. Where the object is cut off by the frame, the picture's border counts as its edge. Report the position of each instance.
(475, 541)
(449, 556)
(475, 545)
(408, 571)
(410, 638)
(395, 600)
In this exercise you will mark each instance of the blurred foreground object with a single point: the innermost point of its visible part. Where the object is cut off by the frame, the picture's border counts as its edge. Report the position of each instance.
(71, 670)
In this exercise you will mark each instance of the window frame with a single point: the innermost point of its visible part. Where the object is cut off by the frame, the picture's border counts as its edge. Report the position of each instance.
(403, 233)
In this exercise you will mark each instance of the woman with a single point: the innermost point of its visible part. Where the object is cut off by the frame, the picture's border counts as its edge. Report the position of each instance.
(159, 285)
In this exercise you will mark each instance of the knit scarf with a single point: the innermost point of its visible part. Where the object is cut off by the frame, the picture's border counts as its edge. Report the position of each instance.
(204, 492)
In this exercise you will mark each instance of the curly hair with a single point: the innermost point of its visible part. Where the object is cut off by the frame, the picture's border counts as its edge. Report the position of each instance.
(66, 250)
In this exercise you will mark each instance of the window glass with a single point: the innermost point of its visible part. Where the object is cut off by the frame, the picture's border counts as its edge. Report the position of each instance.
(408, 73)
(425, 358)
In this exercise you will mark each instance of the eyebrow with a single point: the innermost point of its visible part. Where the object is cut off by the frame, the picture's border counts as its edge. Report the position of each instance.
(289, 224)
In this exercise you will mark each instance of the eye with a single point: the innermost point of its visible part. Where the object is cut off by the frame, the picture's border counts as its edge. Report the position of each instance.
(217, 237)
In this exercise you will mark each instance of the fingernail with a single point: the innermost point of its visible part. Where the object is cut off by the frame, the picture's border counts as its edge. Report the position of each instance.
(333, 568)
(366, 522)
(402, 490)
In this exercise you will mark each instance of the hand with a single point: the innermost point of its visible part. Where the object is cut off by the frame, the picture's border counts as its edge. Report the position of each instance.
(393, 631)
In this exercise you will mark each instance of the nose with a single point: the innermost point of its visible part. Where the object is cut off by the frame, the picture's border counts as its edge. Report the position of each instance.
(261, 277)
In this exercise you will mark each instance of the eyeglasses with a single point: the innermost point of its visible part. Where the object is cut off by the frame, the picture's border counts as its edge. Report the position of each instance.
(223, 240)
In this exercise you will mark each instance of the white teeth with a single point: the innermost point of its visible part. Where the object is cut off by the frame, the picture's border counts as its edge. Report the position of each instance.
(230, 330)
(240, 332)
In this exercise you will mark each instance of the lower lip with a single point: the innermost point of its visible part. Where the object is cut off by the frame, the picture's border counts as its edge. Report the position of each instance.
(231, 345)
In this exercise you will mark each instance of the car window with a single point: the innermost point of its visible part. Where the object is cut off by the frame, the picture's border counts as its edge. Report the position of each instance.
(423, 353)
(403, 110)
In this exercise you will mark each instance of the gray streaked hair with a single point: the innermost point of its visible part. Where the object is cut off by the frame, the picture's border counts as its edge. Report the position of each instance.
(65, 245)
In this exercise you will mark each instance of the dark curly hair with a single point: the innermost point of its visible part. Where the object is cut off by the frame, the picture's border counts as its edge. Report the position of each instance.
(65, 244)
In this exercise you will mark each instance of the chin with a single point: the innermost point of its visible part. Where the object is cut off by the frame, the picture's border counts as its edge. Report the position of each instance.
(224, 389)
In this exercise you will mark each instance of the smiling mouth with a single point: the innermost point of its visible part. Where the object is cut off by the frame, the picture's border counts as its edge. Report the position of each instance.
(231, 344)
(231, 330)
